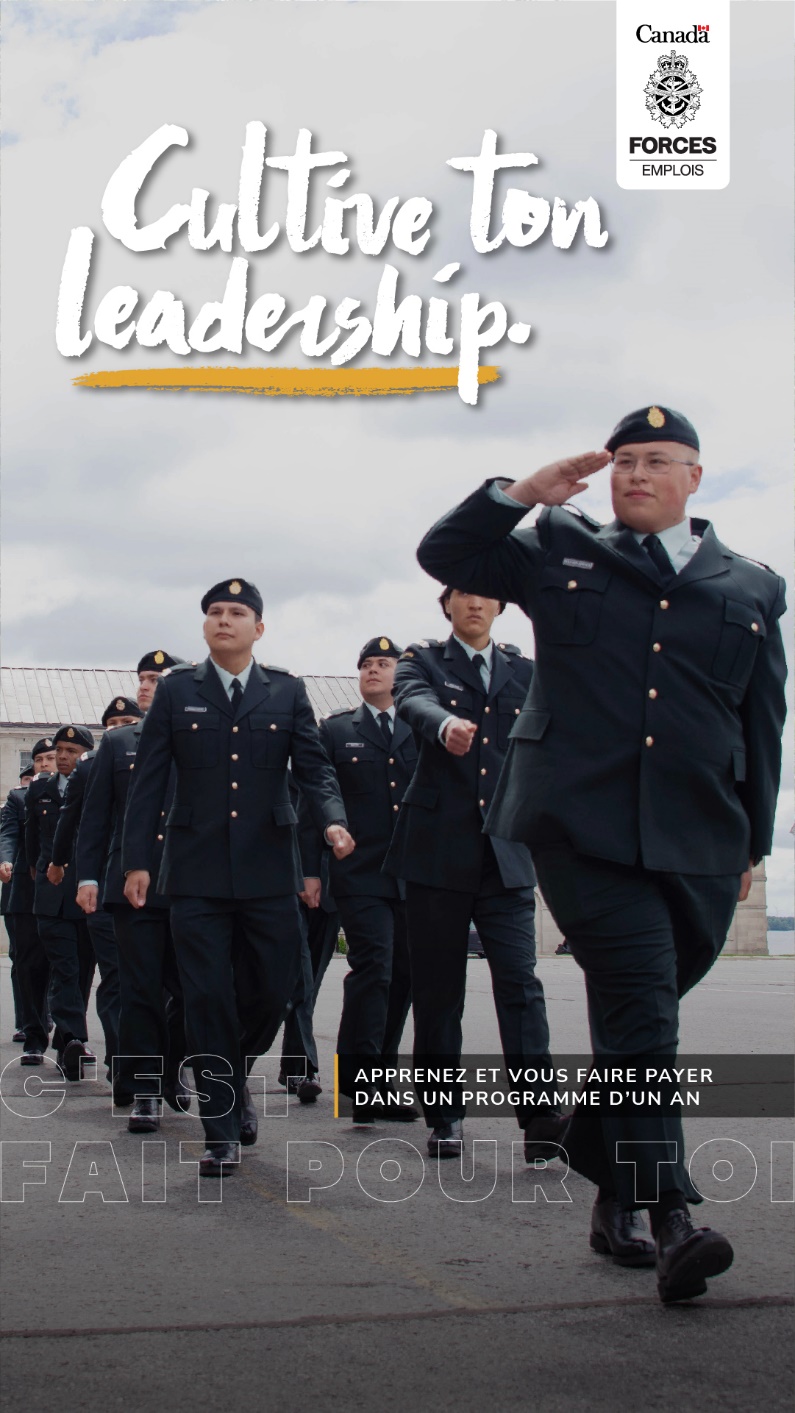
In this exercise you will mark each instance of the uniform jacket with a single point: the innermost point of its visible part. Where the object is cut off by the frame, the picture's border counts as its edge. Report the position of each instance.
(12, 850)
(652, 731)
(42, 808)
(373, 780)
(230, 832)
(438, 836)
(102, 821)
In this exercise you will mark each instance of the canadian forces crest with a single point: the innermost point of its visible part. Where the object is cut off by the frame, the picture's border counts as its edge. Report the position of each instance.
(673, 94)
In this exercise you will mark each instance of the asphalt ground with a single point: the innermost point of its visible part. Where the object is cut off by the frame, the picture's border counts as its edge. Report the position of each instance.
(352, 1302)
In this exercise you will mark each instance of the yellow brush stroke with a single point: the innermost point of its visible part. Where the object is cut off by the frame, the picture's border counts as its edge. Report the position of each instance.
(336, 1086)
(285, 382)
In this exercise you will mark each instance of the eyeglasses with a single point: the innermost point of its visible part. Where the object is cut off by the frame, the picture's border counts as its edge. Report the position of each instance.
(655, 464)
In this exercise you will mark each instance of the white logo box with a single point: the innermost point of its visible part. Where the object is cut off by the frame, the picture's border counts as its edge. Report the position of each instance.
(672, 95)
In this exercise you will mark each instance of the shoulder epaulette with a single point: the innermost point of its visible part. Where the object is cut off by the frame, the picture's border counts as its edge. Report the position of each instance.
(759, 562)
(271, 667)
(510, 648)
(581, 515)
(338, 711)
(178, 667)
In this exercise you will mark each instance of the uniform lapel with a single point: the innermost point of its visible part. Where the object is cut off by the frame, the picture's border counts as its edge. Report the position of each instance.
(400, 733)
(710, 558)
(462, 664)
(501, 671)
(257, 690)
(210, 686)
(621, 541)
(366, 723)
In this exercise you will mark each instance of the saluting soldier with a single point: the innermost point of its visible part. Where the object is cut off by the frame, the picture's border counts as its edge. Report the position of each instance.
(461, 697)
(231, 861)
(62, 927)
(150, 1027)
(374, 755)
(643, 772)
(30, 960)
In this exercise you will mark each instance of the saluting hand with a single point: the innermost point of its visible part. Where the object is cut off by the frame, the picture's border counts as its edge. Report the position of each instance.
(458, 737)
(54, 874)
(558, 482)
(87, 897)
(340, 840)
(136, 887)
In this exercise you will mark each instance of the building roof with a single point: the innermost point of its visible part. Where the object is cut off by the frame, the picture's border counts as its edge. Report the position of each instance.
(50, 696)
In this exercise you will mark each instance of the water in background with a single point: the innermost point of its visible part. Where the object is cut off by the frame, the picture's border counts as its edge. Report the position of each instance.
(780, 943)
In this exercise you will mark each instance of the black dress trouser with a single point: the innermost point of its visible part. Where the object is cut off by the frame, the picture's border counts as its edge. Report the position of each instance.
(152, 1020)
(438, 942)
(33, 971)
(643, 939)
(299, 1050)
(255, 942)
(377, 989)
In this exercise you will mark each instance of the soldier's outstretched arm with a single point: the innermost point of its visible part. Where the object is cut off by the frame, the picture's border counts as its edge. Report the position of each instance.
(416, 699)
(472, 548)
(763, 711)
(149, 785)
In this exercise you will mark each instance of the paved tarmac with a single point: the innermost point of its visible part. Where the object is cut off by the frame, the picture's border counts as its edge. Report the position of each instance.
(348, 1302)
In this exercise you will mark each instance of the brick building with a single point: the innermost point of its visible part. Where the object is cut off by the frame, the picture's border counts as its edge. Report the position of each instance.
(35, 701)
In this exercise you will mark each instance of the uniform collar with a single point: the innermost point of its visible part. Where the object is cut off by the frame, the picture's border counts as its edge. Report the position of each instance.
(486, 653)
(227, 678)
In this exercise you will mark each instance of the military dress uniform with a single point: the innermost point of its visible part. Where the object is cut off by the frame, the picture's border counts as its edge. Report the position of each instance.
(374, 759)
(61, 923)
(151, 1023)
(31, 967)
(99, 924)
(456, 875)
(642, 771)
(230, 858)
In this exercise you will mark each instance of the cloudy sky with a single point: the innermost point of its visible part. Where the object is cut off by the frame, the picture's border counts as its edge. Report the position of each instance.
(120, 508)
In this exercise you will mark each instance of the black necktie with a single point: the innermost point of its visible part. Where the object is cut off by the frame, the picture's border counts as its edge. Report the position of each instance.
(659, 558)
(386, 728)
(479, 662)
(237, 692)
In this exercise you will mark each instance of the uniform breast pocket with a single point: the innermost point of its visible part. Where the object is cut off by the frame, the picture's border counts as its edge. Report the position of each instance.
(271, 734)
(196, 739)
(356, 769)
(742, 630)
(570, 604)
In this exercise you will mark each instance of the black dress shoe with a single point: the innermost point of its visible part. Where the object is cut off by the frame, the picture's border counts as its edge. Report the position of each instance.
(400, 1113)
(145, 1116)
(249, 1123)
(619, 1233)
(122, 1098)
(219, 1159)
(74, 1052)
(540, 1132)
(447, 1140)
(177, 1095)
(31, 1056)
(308, 1090)
(686, 1256)
(18, 1036)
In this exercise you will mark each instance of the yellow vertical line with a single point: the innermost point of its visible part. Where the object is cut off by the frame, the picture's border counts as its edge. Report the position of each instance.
(336, 1086)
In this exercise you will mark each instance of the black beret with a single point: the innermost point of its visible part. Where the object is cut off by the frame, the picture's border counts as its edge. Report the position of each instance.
(445, 594)
(234, 591)
(28, 769)
(121, 706)
(75, 735)
(45, 744)
(379, 647)
(157, 661)
(653, 424)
